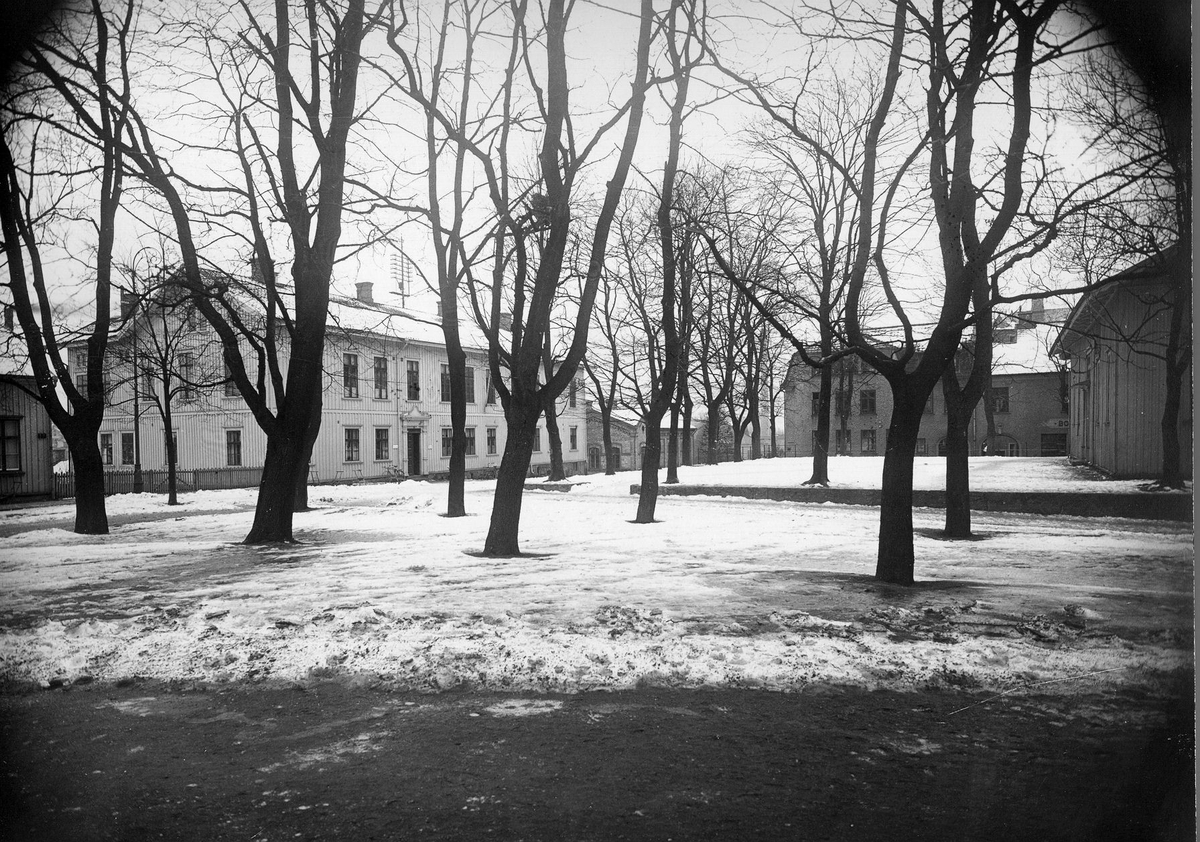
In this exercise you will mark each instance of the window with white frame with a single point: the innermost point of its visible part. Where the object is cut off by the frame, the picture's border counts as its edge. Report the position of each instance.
(350, 375)
(413, 382)
(128, 448)
(353, 437)
(574, 438)
(187, 377)
(447, 441)
(233, 447)
(381, 384)
(10, 445)
(470, 441)
(383, 444)
(537, 439)
(491, 441)
(445, 383)
(573, 396)
(489, 387)
(106, 448)
(231, 389)
(469, 383)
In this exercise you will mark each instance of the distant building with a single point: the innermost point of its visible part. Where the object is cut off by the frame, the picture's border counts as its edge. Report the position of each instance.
(26, 469)
(1028, 393)
(1114, 342)
(628, 441)
(385, 408)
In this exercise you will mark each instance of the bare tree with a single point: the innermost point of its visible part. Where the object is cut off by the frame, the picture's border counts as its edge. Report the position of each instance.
(289, 90)
(533, 292)
(62, 121)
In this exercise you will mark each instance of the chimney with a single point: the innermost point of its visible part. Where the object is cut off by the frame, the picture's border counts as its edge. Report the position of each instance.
(9, 313)
(506, 320)
(364, 292)
(128, 305)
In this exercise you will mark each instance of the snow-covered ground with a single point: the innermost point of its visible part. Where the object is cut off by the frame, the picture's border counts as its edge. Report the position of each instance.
(726, 592)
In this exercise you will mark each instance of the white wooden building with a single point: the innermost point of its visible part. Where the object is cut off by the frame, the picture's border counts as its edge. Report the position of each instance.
(1115, 341)
(385, 408)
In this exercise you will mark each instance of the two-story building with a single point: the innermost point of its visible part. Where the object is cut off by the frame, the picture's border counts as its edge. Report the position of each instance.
(1028, 393)
(385, 405)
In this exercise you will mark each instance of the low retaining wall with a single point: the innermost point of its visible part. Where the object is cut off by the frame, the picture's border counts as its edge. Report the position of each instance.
(1141, 506)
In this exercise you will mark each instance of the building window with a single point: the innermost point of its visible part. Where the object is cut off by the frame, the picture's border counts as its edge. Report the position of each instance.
(866, 402)
(469, 384)
(867, 441)
(841, 403)
(445, 383)
(81, 361)
(231, 389)
(572, 397)
(106, 448)
(383, 444)
(10, 444)
(537, 439)
(447, 441)
(470, 441)
(841, 442)
(574, 438)
(350, 376)
(167, 450)
(127, 448)
(381, 386)
(353, 444)
(816, 404)
(187, 376)
(999, 399)
(413, 387)
(1054, 444)
(233, 447)
(491, 441)
(929, 405)
(489, 387)
(920, 447)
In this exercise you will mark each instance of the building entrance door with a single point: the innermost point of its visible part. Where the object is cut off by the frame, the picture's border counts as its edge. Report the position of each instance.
(414, 453)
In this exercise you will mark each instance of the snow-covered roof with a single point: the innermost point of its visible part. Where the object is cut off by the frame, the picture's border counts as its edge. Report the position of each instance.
(352, 314)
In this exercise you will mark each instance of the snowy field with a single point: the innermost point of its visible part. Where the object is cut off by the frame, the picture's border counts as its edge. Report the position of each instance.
(721, 592)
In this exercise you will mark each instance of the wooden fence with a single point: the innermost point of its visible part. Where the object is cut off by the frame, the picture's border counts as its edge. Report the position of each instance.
(155, 482)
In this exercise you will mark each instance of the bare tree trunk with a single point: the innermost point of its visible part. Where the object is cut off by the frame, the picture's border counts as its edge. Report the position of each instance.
(958, 479)
(820, 472)
(896, 560)
(714, 431)
(688, 444)
(91, 517)
(606, 434)
(673, 445)
(456, 361)
(502, 537)
(172, 456)
(1178, 357)
(651, 455)
(558, 470)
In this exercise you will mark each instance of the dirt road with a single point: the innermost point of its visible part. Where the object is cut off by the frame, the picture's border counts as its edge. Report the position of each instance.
(348, 760)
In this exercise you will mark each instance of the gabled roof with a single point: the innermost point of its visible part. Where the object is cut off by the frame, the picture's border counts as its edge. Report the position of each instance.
(1092, 304)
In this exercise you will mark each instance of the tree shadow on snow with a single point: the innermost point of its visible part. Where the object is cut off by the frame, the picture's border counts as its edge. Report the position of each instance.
(940, 535)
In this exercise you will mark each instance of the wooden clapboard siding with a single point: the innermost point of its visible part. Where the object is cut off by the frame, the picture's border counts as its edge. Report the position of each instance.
(1115, 340)
(35, 477)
